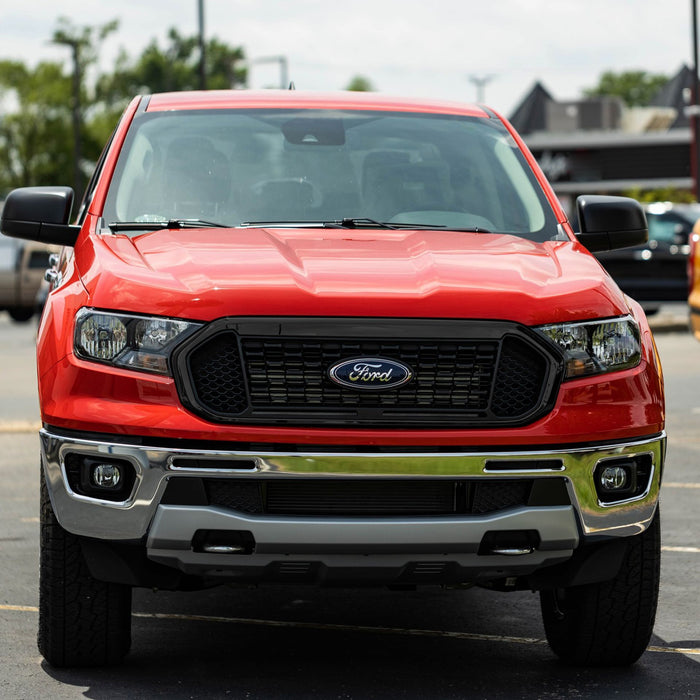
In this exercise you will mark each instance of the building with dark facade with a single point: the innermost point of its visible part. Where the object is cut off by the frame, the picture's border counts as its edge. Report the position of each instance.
(600, 146)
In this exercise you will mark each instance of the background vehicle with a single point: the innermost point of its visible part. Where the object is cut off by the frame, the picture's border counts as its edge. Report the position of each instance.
(340, 340)
(22, 268)
(656, 272)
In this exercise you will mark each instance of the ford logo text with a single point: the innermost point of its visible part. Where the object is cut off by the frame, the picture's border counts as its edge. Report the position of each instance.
(370, 373)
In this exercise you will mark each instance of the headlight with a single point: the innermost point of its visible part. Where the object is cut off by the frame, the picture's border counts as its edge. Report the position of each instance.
(134, 342)
(595, 347)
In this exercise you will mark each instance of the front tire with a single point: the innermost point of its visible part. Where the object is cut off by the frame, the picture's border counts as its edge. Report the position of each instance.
(82, 621)
(608, 623)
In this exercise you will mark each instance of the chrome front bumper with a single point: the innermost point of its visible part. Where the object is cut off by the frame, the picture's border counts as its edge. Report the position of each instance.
(169, 529)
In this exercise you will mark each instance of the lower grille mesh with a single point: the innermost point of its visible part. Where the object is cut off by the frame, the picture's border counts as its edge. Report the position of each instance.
(363, 497)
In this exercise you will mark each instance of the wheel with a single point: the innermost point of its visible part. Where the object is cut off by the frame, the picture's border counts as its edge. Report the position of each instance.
(82, 621)
(21, 314)
(608, 623)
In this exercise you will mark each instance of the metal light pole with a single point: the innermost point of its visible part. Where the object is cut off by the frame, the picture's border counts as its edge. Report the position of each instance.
(202, 48)
(481, 82)
(284, 68)
(75, 45)
(693, 110)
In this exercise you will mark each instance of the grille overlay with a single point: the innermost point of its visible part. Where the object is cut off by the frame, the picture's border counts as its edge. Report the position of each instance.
(465, 373)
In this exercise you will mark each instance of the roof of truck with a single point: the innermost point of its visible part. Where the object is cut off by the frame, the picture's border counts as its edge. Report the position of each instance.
(296, 99)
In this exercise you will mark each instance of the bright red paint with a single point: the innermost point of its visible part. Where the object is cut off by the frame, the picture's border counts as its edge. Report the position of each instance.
(207, 274)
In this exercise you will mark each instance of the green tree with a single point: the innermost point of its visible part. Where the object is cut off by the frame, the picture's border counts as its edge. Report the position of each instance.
(35, 134)
(635, 87)
(45, 112)
(663, 194)
(360, 84)
(82, 41)
(175, 67)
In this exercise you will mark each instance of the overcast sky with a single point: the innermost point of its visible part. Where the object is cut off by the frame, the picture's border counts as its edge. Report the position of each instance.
(428, 48)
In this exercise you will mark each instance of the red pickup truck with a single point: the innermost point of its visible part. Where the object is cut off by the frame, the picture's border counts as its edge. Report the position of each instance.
(340, 339)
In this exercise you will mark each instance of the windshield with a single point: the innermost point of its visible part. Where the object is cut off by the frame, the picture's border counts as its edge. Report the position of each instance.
(257, 167)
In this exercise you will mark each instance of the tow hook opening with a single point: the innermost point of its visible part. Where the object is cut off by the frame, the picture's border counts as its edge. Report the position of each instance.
(223, 542)
(510, 543)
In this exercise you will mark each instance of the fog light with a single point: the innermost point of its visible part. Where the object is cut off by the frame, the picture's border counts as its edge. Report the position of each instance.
(613, 478)
(106, 476)
(100, 477)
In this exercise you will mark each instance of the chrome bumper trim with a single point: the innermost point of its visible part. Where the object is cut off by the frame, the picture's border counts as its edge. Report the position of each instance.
(154, 466)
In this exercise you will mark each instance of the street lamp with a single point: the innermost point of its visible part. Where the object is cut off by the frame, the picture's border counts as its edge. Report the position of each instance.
(75, 45)
(693, 110)
(481, 82)
(284, 68)
(202, 48)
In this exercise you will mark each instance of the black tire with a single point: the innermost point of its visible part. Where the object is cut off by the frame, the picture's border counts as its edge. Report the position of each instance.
(21, 315)
(608, 623)
(82, 621)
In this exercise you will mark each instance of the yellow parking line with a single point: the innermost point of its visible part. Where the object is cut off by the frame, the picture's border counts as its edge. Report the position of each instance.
(382, 630)
(470, 636)
(20, 426)
(691, 550)
(675, 650)
(680, 485)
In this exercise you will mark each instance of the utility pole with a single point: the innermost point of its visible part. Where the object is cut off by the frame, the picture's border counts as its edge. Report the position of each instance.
(202, 48)
(80, 41)
(284, 68)
(693, 110)
(481, 82)
(75, 44)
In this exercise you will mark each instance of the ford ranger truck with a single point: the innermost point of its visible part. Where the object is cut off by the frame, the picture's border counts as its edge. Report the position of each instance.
(339, 339)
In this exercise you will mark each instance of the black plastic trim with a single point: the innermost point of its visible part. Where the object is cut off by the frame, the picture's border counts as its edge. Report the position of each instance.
(368, 328)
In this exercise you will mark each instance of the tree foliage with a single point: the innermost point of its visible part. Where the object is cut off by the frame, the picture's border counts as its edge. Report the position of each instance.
(635, 87)
(38, 105)
(35, 136)
(172, 68)
(662, 194)
(360, 84)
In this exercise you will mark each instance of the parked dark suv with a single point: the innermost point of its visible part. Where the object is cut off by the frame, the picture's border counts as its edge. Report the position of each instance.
(656, 272)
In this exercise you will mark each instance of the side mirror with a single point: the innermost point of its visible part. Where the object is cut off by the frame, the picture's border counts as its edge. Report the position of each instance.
(40, 214)
(608, 223)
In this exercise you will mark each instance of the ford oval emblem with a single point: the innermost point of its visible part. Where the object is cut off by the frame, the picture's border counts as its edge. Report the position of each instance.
(370, 373)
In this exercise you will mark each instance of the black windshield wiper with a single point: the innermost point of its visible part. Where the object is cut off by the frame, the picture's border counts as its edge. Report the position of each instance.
(361, 222)
(358, 222)
(116, 226)
(364, 222)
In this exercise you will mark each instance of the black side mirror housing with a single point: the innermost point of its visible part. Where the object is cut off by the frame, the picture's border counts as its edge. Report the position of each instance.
(40, 214)
(608, 223)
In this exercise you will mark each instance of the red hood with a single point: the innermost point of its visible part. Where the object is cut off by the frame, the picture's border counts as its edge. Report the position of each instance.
(207, 273)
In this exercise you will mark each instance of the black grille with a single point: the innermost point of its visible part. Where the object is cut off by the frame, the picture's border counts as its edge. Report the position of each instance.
(360, 497)
(219, 376)
(231, 373)
(293, 373)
